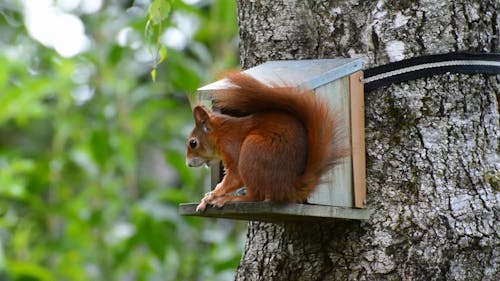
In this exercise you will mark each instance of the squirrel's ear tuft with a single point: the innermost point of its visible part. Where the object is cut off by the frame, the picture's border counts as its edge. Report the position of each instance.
(201, 117)
(200, 114)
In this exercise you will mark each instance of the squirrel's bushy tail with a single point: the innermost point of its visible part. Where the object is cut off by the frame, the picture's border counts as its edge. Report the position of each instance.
(248, 95)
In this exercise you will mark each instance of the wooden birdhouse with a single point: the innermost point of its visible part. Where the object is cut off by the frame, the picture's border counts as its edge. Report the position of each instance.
(343, 195)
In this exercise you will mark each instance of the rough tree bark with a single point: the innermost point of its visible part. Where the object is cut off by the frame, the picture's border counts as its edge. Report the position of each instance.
(432, 144)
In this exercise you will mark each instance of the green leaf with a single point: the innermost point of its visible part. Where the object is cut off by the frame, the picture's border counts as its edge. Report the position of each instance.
(153, 74)
(163, 55)
(101, 151)
(28, 271)
(159, 10)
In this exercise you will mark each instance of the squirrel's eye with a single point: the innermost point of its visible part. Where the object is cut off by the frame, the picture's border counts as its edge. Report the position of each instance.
(193, 143)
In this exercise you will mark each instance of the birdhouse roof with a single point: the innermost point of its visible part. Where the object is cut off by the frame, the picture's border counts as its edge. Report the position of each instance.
(301, 73)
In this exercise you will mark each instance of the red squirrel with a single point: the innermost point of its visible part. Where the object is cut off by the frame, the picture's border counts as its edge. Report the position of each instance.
(278, 145)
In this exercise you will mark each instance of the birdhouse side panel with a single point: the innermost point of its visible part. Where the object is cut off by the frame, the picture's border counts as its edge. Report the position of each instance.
(336, 189)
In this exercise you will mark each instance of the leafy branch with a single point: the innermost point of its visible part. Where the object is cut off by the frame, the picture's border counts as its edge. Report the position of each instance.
(158, 13)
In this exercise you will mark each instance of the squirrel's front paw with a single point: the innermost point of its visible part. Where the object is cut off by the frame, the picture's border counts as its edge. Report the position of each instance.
(202, 206)
(209, 196)
(207, 199)
(219, 202)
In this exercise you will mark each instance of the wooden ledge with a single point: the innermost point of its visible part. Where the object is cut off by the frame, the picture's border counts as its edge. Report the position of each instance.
(275, 212)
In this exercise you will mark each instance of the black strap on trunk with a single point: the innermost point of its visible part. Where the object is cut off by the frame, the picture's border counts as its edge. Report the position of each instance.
(426, 66)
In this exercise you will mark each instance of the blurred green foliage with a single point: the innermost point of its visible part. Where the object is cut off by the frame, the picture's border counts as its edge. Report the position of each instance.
(92, 150)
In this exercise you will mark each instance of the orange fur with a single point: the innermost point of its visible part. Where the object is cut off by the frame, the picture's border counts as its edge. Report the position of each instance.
(277, 144)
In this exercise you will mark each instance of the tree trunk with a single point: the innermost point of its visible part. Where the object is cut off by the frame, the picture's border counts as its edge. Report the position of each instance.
(432, 144)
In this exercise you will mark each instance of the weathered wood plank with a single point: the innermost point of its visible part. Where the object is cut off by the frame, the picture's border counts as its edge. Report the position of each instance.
(276, 212)
(358, 139)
